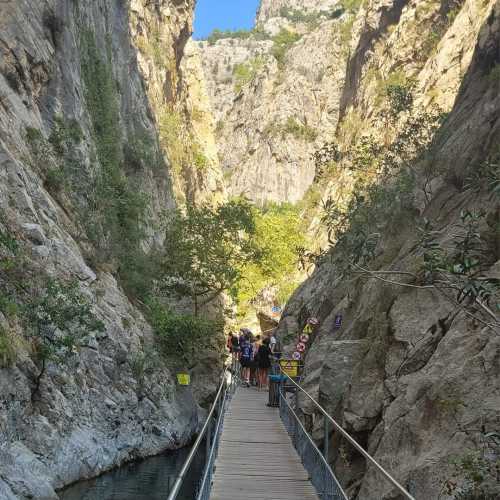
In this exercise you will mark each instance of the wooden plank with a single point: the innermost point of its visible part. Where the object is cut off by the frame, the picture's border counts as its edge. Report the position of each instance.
(256, 459)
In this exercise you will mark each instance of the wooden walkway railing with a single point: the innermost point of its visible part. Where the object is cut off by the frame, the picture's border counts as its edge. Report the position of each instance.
(256, 459)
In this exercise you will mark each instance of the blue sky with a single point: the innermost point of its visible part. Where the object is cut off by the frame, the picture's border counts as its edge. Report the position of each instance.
(223, 14)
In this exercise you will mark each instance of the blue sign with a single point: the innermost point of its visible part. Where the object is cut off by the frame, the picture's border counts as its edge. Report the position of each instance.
(276, 309)
(338, 321)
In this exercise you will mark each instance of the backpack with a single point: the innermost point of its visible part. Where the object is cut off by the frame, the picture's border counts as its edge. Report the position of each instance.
(247, 351)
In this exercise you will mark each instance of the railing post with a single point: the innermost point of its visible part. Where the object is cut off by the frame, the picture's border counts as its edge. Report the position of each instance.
(326, 437)
(208, 443)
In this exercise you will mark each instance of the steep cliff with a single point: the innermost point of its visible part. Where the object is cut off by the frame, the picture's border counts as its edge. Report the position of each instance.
(278, 92)
(413, 371)
(84, 185)
(176, 93)
(379, 116)
(269, 9)
(276, 98)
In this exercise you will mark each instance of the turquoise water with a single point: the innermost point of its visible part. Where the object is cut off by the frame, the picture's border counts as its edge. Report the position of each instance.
(150, 479)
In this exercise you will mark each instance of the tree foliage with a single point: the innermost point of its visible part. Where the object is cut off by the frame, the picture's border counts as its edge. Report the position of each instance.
(217, 34)
(282, 42)
(386, 177)
(183, 335)
(205, 247)
(60, 316)
(245, 73)
(279, 234)
(461, 264)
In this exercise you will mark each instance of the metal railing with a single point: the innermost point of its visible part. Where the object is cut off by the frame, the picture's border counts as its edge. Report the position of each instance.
(316, 463)
(217, 410)
(320, 472)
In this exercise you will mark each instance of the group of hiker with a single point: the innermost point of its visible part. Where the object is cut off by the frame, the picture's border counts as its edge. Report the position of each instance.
(255, 354)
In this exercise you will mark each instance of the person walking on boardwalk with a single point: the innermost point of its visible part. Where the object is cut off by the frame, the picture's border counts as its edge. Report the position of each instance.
(246, 355)
(235, 346)
(272, 341)
(254, 369)
(264, 362)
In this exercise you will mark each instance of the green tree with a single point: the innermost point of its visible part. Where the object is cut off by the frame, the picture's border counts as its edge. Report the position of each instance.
(351, 6)
(386, 181)
(204, 249)
(183, 336)
(282, 42)
(59, 317)
(278, 235)
(244, 73)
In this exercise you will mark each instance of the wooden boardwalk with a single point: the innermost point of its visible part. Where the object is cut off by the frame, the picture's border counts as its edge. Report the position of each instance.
(257, 460)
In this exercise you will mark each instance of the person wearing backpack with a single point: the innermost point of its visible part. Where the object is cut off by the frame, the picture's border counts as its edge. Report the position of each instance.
(274, 345)
(246, 356)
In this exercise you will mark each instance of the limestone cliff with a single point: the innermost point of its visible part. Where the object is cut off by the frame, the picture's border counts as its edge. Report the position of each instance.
(176, 92)
(84, 89)
(273, 8)
(273, 113)
(278, 93)
(413, 372)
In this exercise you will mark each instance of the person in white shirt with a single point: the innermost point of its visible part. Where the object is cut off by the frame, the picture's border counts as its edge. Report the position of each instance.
(272, 342)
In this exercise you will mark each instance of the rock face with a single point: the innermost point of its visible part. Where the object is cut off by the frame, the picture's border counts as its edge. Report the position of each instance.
(99, 409)
(170, 66)
(411, 373)
(272, 8)
(219, 61)
(205, 184)
(277, 101)
(96, 89)
(272, 115)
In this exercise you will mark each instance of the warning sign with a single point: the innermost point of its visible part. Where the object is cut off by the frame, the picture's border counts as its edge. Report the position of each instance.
(290, 367)
(183, 378)
(338, 320)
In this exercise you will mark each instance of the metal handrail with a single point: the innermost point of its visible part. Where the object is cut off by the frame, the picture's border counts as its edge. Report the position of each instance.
(213, 448)
(185, 468)
(313, 444)
(352, 441)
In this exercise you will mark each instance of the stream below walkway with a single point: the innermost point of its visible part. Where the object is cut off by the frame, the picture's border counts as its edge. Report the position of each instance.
(150, 479)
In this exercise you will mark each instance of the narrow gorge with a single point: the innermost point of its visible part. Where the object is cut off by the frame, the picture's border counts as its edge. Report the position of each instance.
(338, 161)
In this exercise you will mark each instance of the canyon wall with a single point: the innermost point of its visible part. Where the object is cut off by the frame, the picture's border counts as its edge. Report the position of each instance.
(110, 116)
(272, 115)
(413, 372)
(93, 97)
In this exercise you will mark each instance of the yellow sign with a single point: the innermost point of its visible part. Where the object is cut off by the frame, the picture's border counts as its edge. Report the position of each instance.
(308, 329)
(183, 378)
(290, 367)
